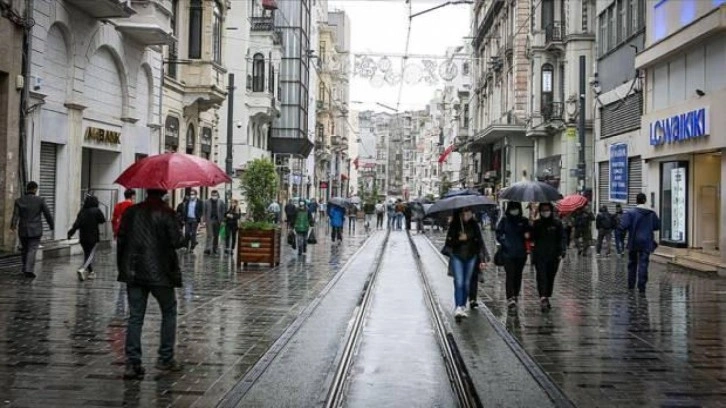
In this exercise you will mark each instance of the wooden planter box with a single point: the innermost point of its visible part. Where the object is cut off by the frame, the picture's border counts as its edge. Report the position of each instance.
(259, 246)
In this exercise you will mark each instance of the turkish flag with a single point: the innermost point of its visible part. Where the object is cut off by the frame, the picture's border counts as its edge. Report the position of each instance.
(355, 163)
(446, 153)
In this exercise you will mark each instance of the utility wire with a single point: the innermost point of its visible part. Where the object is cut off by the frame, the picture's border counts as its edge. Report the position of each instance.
(405, 54)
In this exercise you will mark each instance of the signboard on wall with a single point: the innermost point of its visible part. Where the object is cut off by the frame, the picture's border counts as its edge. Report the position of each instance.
(678, 204)
(618, 191)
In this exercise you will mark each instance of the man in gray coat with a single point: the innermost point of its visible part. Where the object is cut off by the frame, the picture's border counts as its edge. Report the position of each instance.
(214, 210)
(29, 225)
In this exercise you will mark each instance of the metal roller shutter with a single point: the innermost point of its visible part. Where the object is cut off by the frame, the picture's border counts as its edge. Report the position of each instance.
(603, 187)
(635, 178)
(46, 188)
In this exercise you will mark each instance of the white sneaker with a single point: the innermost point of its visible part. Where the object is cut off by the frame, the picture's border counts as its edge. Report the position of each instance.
(459, 312)
(91, 275)
(81, 274)
(464, 311)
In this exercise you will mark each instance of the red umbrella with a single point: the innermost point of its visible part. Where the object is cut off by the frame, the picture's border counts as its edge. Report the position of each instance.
(169, 171)
(571, 203)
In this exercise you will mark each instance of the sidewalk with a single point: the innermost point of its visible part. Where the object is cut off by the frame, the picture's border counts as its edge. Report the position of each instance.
(606, 346)
(61, 341)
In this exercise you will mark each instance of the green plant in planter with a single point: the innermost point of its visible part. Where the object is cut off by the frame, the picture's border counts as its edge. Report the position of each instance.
(259, 185)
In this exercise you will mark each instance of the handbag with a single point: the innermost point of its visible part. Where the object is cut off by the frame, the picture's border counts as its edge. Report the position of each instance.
(223, 231)
(499, 257)
(291, 238)
(311, 238)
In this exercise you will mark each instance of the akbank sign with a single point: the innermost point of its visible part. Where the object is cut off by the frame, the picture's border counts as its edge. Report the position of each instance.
(679, 128)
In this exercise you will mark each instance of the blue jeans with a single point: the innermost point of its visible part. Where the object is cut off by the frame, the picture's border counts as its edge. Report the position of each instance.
(638, 268)
(138, 297)
(619, 241)
(399, 220)
(463, 271)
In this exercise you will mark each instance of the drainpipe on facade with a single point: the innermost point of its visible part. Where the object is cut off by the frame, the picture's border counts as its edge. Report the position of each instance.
(25, 97)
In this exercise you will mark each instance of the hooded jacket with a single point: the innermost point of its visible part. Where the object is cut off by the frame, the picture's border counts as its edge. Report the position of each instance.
(604, 220)
(87, 222)
(640, 222)
(548, 235)
(510, 232)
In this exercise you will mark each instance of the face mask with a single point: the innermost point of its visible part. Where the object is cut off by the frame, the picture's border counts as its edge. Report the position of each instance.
(214, 197)
(514, 212)
(193, 197)
(546, 214)
(467, 216)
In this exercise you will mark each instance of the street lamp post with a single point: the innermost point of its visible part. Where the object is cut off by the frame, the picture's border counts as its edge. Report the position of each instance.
(230, 132)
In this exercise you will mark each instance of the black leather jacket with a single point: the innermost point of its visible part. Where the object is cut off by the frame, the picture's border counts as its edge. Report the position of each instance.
(147, 241)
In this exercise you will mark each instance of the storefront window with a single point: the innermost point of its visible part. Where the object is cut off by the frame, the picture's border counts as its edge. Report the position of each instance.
(674, 203)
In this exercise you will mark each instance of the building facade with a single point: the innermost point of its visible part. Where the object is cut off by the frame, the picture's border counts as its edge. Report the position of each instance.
(195, 80)
(95, 83)
(682, 138)
(12, 87)
(253, 51)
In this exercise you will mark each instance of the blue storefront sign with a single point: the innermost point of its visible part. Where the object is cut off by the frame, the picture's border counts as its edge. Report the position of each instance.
(679, 128)
(619, 173)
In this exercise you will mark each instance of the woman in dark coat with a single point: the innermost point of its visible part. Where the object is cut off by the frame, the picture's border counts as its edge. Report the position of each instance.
(511, 235)
(232, 220)
(467, 251)
(87, 222)
(550, 242)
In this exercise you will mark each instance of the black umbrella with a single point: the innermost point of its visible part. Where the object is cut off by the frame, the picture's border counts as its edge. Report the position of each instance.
(530, 191)
(450, 204)
(454, 193)
(339, 201)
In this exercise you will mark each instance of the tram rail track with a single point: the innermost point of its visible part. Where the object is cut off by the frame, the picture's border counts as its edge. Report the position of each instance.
(460, 381)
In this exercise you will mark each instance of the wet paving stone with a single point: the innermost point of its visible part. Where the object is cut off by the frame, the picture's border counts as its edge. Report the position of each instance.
(607, 346)
(62, 341)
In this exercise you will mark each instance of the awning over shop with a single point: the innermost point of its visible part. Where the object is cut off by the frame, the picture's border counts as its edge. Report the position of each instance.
(494, 133)
(289, 145)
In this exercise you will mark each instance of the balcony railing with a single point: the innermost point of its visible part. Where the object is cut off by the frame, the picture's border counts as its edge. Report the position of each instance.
(262, 24)
(554, 32)
(552, 111)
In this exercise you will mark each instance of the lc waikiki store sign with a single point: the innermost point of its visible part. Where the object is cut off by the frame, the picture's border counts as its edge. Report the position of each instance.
(679, 128)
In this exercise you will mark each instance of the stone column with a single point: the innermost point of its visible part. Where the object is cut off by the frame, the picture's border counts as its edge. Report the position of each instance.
(70, 161)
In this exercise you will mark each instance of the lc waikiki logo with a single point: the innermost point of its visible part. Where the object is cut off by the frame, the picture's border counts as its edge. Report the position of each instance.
(679, 128)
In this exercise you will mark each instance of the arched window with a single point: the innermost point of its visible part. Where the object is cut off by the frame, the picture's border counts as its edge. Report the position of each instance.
(258, 73)
(195, 29)
(217, 32)
(546, 86)
(190, 139)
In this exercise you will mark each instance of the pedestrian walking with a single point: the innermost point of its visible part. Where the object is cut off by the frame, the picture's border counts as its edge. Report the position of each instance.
(231, 218)
(352, 212)
(548, 236)
(274, 209)
(87, 222)
(604, 222)
(467, 251)
(193, 211)
(399, 214)
(148, 264)
(512, 232)
(303, 221)
(290, 212)
(418, 216)
(407, 215)
(27, 222)
(391, 214)
(337, 219)
(214, 211)
(619, 232)
(120, 208)
(582, 224)
(380, 212)
(640, 223)
(313, 210)
(322, 211)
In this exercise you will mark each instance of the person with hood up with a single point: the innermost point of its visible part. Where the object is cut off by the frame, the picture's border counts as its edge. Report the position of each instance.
(337, 220)
(303, 221)
(550, 240)
(290, 213)
(582, 223)
(87, 222)
(467, 251)
(512, 232)
(604, 222)
(640, 223)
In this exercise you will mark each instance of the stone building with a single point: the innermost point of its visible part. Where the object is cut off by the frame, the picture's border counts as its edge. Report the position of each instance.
(12, 85)
(95, 83)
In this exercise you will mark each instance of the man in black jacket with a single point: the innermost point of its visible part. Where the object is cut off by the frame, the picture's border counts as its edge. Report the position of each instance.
(29, 225)
(147, 262)
(193, 211)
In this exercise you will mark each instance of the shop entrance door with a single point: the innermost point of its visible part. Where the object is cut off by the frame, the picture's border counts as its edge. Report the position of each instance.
(707, 183)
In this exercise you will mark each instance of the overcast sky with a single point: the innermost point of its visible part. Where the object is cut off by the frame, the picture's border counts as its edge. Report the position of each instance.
(379, 26)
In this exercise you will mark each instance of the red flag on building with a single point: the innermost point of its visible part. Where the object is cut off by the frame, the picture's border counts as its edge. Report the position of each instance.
(355, 162)
(446, 153)
(269, 4)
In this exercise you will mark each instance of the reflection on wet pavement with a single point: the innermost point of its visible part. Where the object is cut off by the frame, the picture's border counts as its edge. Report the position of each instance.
(607, 346)
(61, 341)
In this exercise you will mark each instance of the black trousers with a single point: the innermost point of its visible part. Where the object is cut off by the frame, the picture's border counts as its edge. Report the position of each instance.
(513, 268)
(379, 220)
(546, 270)
(87, 250)
(474, 283)
(231, 237)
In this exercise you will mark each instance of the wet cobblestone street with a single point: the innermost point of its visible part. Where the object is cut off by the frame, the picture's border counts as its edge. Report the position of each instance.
(606, 346)
(61, 340)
